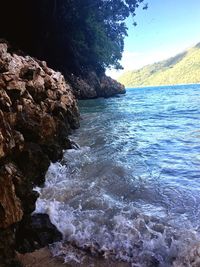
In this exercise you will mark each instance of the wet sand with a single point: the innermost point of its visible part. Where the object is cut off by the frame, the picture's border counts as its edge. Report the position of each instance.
(43, 258)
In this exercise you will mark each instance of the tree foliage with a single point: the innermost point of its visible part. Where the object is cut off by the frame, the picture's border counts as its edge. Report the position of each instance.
(75, 35)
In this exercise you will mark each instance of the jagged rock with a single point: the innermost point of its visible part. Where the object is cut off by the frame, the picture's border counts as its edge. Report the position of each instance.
(6, 136)
(37, 112)
(10, 205)
(82, 89)
(92, 86)
(35, 232)
(16, 85)
(110, 87)
(5, 101)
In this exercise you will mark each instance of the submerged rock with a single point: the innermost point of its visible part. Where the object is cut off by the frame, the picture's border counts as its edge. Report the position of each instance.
(37, 112)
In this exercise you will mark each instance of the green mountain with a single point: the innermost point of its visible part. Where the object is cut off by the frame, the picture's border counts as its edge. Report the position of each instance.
(184, 68)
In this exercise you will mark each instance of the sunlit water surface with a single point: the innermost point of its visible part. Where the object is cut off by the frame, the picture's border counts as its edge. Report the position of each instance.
(132, 190)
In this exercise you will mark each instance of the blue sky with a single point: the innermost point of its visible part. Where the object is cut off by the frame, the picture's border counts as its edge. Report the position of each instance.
(165, 29)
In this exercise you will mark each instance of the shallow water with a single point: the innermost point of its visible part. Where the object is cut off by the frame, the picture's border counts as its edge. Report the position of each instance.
(132, 190)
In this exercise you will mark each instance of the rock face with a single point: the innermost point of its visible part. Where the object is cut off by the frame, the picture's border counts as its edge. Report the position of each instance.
(91, 86)
(110, 87)
(37, 112)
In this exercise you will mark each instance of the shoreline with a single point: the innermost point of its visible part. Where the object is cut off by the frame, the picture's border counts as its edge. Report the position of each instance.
(44, 258)
(163, 85)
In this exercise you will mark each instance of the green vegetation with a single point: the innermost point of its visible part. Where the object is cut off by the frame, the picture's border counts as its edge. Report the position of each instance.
(72, 35)
(181, 69)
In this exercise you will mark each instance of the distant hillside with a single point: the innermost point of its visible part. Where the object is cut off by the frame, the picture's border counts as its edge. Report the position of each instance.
(181, 69)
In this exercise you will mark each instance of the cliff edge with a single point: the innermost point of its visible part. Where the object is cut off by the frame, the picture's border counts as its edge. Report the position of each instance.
(37, 112)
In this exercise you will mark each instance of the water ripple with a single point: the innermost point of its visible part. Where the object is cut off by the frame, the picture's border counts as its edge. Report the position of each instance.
(138, 170)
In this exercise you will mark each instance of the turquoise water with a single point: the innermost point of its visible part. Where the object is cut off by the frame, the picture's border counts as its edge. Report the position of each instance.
(131, 191)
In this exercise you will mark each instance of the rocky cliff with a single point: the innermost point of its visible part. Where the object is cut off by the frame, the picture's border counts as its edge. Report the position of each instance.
(37, 112)
(92, 86)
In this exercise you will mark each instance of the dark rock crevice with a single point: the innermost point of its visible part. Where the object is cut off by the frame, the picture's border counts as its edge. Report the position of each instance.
(36, 232)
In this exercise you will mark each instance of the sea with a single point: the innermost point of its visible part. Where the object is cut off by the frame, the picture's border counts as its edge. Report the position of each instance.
(129, 190)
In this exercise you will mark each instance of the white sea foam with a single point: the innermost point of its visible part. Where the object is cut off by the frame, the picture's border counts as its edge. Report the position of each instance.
(94, 222)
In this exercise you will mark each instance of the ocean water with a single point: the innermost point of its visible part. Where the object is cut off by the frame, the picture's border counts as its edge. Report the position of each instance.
(130, 188)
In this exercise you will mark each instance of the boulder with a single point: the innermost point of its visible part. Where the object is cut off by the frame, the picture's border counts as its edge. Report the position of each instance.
(35, 232)
(92, 86)
(110, 87)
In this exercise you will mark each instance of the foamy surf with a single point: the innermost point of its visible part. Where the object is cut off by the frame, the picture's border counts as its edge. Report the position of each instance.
(96, 224)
